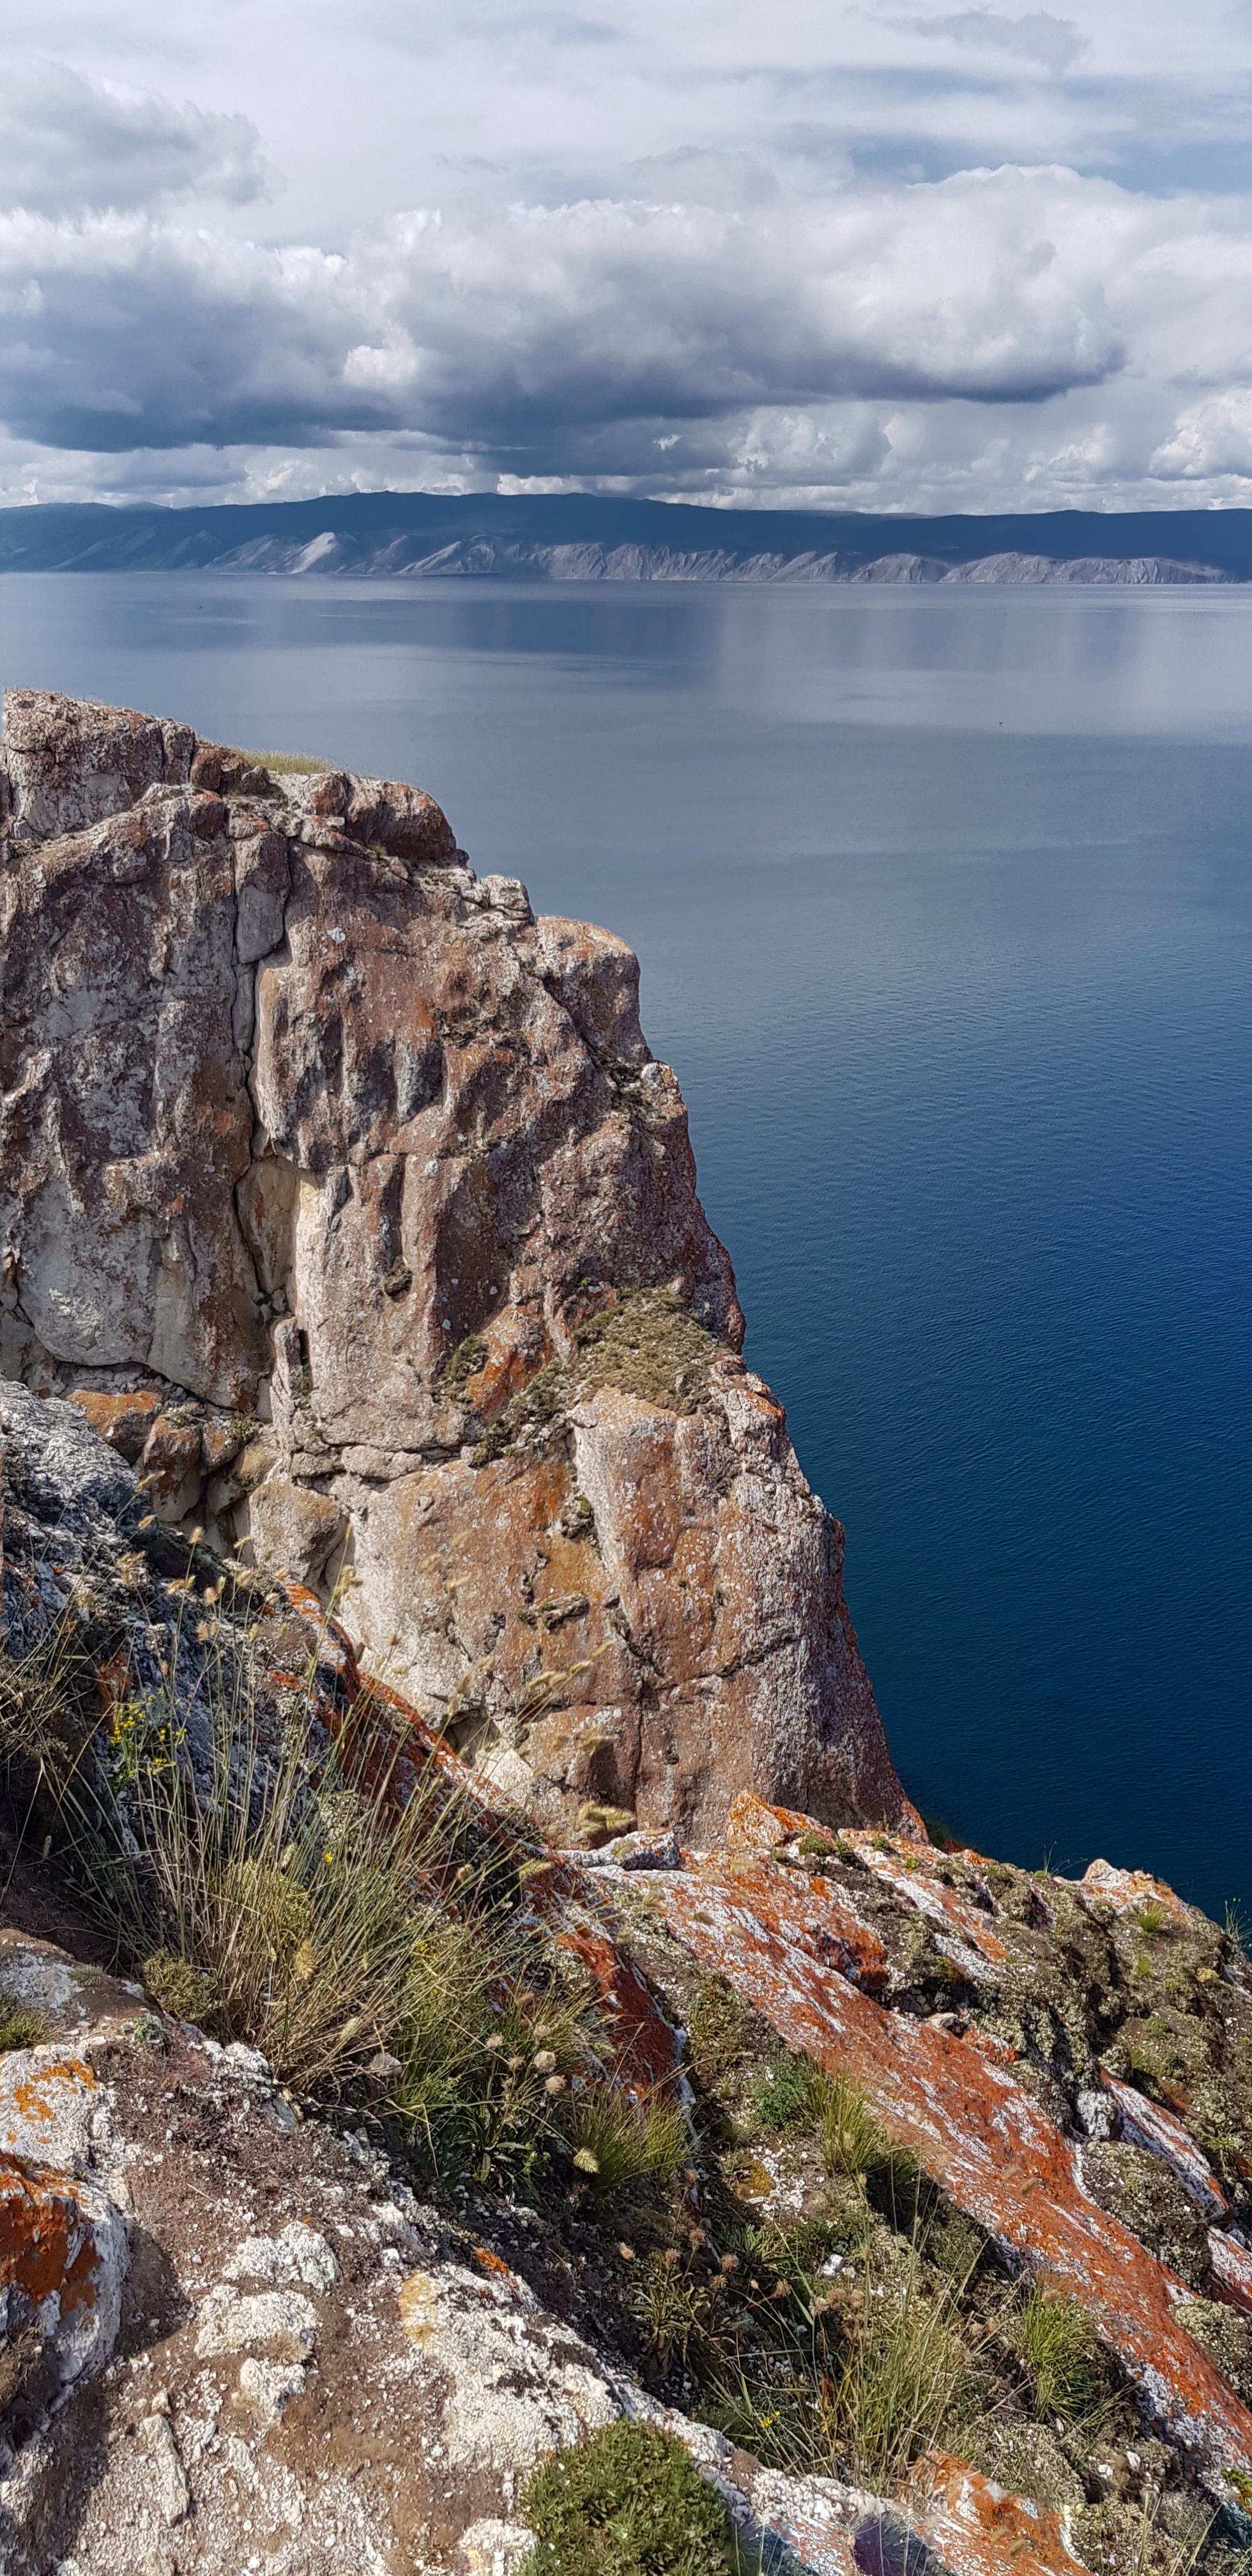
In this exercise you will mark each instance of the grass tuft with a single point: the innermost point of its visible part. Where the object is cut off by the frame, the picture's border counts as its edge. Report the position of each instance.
(1056, 2342)
(286, 764)
(278, 1888)
(647, 1344)
(619, 2142)
(853, 2141)
(876, 2372)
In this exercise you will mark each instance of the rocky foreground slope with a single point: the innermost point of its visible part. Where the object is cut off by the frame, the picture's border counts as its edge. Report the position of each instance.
(349, 1197)
(941, 2262)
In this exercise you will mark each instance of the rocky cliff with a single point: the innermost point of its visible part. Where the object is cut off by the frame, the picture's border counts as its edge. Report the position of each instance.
(349, 1202)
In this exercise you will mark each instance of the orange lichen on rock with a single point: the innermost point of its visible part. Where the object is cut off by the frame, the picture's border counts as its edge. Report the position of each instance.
(490, 2261)
(1148, 2124)
(1128, 1889)
(912, 1870)
(1230, 2270)
(42, 2107)
(821, 1922)
(48, 2248)
(979, 2530)
(974, 2130)
(123, 1419)
(645, 2044)
(757, 1825)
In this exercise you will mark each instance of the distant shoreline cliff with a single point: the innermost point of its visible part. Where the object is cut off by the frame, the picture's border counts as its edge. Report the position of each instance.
(581, 537)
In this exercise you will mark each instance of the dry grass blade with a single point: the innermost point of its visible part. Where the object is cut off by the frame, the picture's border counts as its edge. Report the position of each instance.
(277, 1888)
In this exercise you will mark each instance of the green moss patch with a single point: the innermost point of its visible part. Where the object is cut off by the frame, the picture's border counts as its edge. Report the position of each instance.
(19, 2026)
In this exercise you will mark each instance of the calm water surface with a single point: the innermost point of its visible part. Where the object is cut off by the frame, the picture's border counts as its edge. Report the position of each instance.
(944, 903)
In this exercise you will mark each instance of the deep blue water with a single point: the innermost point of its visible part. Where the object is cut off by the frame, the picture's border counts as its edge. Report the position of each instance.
(944, 903)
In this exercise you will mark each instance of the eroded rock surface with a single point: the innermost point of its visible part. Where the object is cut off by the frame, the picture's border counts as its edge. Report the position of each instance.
(350, 1204)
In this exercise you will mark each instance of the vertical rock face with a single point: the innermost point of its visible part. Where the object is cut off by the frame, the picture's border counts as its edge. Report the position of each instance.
(348, 1195)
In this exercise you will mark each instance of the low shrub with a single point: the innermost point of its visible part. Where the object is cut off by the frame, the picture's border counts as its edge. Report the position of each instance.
(627, 2503)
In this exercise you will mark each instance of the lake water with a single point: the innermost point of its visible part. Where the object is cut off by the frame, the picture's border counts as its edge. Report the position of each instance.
(944, 904)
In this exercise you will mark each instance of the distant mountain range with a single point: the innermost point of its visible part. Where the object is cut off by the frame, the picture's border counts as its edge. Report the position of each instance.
(585, 537)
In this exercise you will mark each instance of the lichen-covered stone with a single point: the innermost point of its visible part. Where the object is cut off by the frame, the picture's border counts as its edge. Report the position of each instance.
(1135, 2187)
(956, 2105)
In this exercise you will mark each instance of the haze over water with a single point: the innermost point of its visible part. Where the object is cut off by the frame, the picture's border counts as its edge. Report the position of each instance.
(944, 905)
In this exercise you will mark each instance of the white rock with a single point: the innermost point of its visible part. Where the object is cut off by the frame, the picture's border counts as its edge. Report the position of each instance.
(229, 2322)
(1097, 2113)
(268, 2386)
(246, 2061)
(172, 2492)
(521, 2383)
(298, 2254)
(495, 2548)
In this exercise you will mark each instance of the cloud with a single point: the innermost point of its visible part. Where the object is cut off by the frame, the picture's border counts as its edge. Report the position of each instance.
(1209, 440)
(653, 250)
(1039, 37)
(698, 175)
(68, 145)
(535, 332)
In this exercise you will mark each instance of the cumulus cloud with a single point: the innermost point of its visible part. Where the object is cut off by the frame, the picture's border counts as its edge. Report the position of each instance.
(541, 327)
(68, 144)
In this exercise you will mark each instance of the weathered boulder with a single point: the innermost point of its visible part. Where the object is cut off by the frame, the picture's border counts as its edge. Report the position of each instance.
(353, 1192)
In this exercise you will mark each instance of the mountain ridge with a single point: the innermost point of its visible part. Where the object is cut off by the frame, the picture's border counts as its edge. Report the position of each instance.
(583, 536)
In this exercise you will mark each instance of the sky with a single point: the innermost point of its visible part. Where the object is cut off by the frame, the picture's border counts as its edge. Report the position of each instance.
(891, 255)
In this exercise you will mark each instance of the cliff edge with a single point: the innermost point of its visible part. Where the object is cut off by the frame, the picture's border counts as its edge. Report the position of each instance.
(348, 1201)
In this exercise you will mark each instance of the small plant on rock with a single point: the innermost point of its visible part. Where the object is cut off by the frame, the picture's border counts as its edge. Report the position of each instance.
(786, 2095)
(628, 2503)
(20, 2027)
